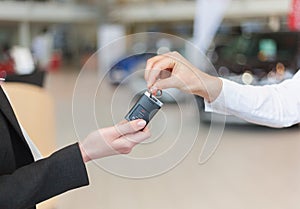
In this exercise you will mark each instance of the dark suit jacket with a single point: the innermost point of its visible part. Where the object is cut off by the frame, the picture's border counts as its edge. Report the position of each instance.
(23, 182)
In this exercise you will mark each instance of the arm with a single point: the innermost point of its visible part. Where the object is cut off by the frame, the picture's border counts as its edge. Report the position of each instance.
(65, 169)
(273, 105)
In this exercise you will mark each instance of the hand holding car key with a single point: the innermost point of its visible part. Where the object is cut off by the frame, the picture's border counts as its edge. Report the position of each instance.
(145, 108)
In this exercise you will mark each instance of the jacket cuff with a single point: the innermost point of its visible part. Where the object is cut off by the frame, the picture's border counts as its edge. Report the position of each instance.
(73, 173)
(77, 165)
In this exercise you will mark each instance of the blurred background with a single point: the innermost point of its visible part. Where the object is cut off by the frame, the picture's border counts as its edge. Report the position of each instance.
(45, 45)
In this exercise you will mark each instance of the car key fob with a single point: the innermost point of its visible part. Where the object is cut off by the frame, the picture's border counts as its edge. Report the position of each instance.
(145, 108)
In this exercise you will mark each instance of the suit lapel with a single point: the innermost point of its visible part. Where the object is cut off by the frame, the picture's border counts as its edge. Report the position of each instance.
(7, 111)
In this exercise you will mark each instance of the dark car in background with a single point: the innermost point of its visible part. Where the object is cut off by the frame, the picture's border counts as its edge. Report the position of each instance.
(254, 58)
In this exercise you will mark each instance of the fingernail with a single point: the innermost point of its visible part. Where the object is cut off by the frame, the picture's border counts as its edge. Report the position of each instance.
(141, 123)
(153, 89)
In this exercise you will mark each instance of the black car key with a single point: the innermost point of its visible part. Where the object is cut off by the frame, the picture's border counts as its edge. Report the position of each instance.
(145, 108)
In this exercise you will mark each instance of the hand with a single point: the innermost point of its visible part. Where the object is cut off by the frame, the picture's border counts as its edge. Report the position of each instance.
(118, 139)
(172, 70)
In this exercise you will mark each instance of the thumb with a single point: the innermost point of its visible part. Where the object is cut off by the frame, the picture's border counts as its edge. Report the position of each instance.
(130, 127)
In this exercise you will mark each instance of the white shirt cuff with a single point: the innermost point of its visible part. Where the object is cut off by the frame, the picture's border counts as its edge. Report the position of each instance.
(218, 105)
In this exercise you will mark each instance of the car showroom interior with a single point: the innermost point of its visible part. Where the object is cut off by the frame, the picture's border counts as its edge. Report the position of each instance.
(214, 83)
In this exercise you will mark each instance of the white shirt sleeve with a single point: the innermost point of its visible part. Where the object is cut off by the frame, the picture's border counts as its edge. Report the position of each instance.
(275, 105)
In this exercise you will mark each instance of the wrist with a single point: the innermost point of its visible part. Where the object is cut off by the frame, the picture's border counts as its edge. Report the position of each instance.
(84, 155)
(209, 88)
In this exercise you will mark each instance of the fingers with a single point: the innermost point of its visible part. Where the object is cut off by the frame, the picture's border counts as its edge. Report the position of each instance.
(125, 143)
(125, 127)
(150, 63)
(138, 137)
(158, 68)
(156, 65)
(164, 84)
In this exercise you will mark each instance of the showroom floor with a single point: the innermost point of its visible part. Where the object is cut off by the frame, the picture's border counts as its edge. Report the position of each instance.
(253, 167)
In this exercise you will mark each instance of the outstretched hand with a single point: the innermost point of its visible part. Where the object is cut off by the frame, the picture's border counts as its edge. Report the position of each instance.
(118, 139)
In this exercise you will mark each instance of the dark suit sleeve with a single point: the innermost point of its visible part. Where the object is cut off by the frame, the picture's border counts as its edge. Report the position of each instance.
(62, 171)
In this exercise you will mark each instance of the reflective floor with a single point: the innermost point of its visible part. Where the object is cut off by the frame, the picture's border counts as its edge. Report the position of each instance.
(253, 167)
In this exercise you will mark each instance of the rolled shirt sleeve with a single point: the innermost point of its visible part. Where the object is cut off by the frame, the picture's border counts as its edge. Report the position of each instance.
(275, 105)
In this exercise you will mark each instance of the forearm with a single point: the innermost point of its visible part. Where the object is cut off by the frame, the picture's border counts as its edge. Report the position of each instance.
(271, 105)
(31, 184)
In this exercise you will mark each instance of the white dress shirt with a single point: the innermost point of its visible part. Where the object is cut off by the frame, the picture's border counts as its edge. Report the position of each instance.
(276, 105)
(34, 150)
